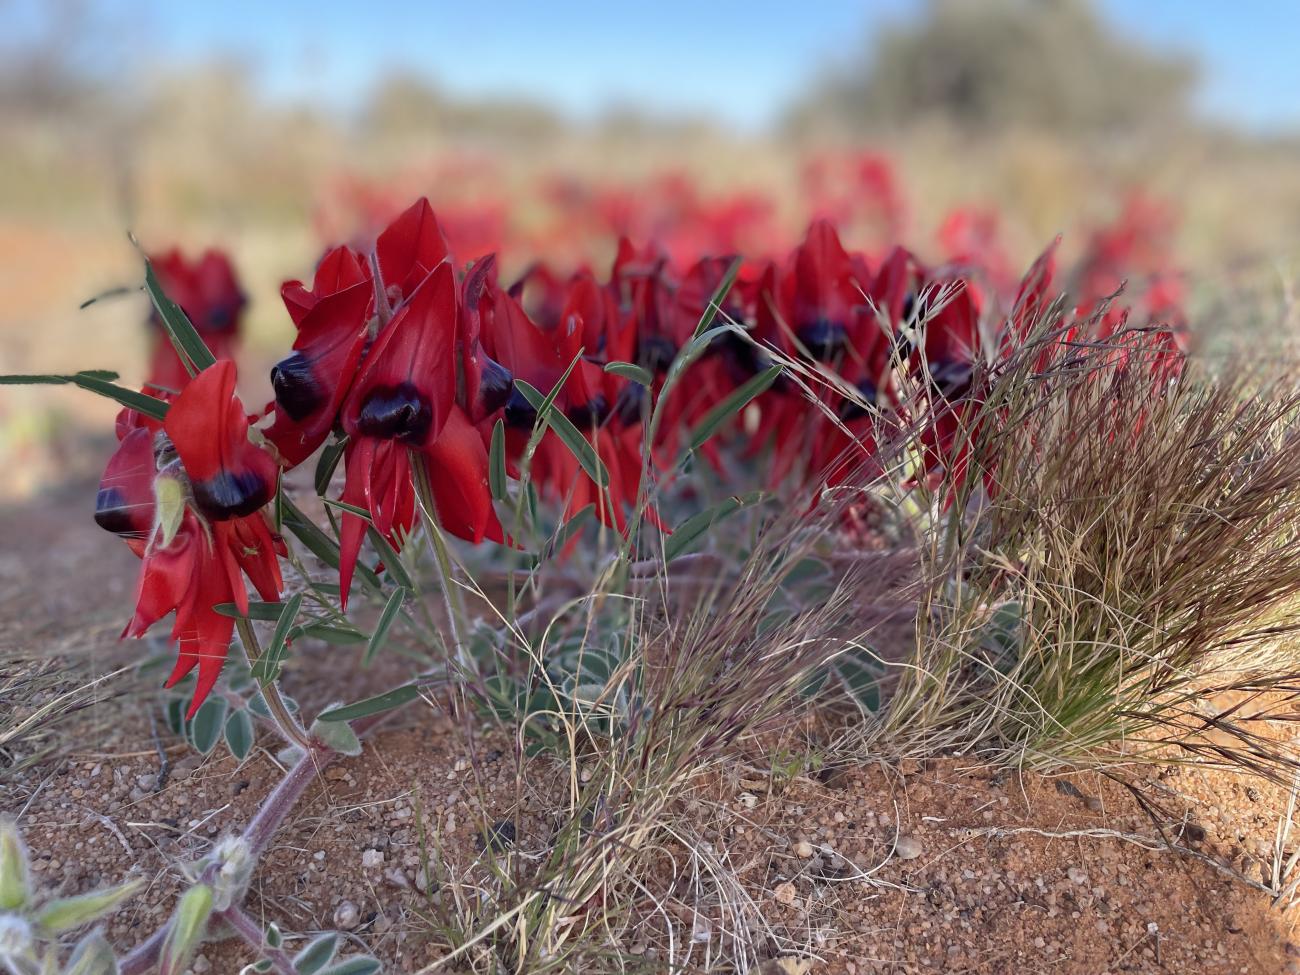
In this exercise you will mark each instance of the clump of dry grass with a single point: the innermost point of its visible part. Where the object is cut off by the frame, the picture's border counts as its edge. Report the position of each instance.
(1120, 573)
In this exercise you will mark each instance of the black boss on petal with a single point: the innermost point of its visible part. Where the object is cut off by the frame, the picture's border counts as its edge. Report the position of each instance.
(231, 495)
(823, 338)
(398, 412)
(656, 353)
(951, 380)
(629, 406)
(520, 413)
(112, 513)
(296, 389)
(589, 414)
(496, 385)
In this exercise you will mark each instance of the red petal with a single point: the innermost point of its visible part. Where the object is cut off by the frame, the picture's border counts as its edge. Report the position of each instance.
(458, 472)
(311, 383)
(125, 502)
(411, 247)
(230, 476)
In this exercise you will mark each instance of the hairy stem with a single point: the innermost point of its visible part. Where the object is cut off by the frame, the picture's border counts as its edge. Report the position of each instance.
(276, 806)
(284, 720)
(261, 828)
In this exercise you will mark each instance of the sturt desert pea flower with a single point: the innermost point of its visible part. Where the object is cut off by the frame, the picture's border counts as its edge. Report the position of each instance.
(187, 496)
(332, 318)
(337, 318)
(401, 410)
(209, 293)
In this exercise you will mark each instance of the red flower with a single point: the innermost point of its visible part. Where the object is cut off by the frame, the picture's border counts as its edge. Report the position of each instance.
(332, 319)
(187, 495)
(336, 318)
(208, 292)
(403, 403)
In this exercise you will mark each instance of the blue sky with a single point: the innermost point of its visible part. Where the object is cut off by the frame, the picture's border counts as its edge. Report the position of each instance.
(739, 61)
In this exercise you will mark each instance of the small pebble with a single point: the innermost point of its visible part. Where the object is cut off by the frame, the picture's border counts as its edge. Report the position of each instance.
(346, 916)
(907, 848)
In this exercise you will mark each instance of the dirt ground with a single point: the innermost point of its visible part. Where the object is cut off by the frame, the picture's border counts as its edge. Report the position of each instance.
(833, 864)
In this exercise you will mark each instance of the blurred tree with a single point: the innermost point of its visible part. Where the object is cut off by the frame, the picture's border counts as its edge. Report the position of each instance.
(1048, 64)
(405, 103)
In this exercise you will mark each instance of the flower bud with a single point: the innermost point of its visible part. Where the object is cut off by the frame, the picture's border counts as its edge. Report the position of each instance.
(169, 503)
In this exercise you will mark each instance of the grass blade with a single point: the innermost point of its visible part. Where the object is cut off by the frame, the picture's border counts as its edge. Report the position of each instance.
(267, 667)
(329, 461)
(700, 523)
(497, 462)
(630, 370)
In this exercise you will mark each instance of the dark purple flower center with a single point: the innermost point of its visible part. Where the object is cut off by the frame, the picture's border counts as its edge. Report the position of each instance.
(398, 412)
(296, 388)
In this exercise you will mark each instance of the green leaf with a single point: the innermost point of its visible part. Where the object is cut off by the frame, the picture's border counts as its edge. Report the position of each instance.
(698, 524)
(860, 675)
(393, 564)
(174, 713)
(72, 912)
(257, 704)
(15, 875)
(630, 370)
(578, 445)
(277, 506)
(274, 938)
(268, 665)
(337, 736)
(239, 734)
(185, 930)
(351, 509)
(188, 343)
(373, 705)
(733, 404)
(267, 612)
(327, 633)
(497, 462)
(717, 298)
(356, 965)
(329, 461)
(205, 729)
(317, 954)
(96, 381)
(386, 618)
